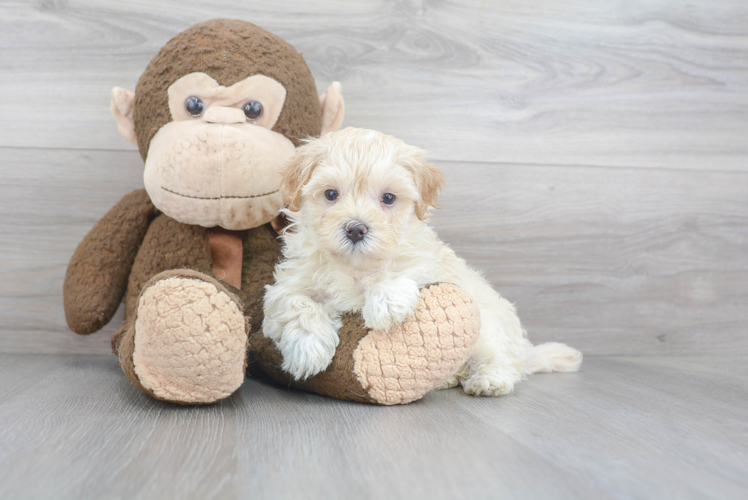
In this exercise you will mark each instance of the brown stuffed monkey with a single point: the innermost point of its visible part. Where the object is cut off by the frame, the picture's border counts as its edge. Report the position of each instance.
(216, 116)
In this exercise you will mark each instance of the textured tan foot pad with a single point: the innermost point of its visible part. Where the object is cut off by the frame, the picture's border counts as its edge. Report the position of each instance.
(190, 342)
(402, 365)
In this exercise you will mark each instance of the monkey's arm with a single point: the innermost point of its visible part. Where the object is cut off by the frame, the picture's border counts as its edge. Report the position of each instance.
(97, 274)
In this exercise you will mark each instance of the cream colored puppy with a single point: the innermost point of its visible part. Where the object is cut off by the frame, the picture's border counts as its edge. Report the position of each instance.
(358, 242)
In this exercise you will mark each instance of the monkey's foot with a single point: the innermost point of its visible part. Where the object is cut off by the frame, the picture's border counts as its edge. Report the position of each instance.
(190, 339)
(395, 366)
(404, 363)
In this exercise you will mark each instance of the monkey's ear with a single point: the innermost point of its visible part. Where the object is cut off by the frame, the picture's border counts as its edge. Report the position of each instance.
(123, 102)
(299, 170)
(333, 108)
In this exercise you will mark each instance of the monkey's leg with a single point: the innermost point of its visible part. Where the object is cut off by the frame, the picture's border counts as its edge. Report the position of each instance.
(394, 367)
(188, 341)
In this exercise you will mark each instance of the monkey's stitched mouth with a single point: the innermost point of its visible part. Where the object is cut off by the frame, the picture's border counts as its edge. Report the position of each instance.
(218, 197)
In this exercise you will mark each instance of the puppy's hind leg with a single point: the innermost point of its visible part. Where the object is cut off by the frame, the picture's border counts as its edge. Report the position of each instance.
(491, 377)
(497, 361)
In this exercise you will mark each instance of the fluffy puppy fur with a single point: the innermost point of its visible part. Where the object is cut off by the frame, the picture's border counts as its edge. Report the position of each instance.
(345, 179)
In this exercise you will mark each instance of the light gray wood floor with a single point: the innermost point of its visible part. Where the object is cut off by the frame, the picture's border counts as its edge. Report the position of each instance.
(624, 427)
(597, 163)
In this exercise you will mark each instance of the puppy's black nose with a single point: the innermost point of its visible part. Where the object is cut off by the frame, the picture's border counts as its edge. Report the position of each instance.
(356, 231)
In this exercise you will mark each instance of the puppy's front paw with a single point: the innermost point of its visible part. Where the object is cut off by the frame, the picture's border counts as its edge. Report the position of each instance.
(305, 354)
(390, 302)
(308, 345)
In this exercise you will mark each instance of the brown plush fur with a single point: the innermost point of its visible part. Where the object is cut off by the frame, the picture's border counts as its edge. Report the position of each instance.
(169, 244)
(228, 51)
(97, 274)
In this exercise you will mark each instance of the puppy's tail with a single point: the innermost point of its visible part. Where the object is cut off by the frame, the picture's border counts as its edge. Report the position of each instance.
(553, 357)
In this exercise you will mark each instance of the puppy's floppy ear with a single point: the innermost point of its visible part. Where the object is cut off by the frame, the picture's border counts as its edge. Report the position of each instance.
(299, 170)
(429, 179)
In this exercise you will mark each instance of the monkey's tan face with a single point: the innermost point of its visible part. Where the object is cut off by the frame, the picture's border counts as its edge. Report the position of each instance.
(218, 163)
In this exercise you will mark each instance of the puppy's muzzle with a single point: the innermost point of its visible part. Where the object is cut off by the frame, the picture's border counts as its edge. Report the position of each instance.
(356, 231)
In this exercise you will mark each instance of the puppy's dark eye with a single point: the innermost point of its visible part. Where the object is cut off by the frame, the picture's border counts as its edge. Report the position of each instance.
(252, 110)
(331, 194)
(194, 106)
(388, 198)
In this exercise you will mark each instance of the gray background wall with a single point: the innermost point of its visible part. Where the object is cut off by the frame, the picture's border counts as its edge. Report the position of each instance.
(596, 155)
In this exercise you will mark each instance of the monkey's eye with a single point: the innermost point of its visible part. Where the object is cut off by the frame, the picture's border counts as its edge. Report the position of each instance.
(331, 194)
(194, 106)
(388, 198)
(252, 109)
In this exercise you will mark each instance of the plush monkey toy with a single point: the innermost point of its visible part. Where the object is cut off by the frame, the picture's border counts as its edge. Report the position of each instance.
(216, 115)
